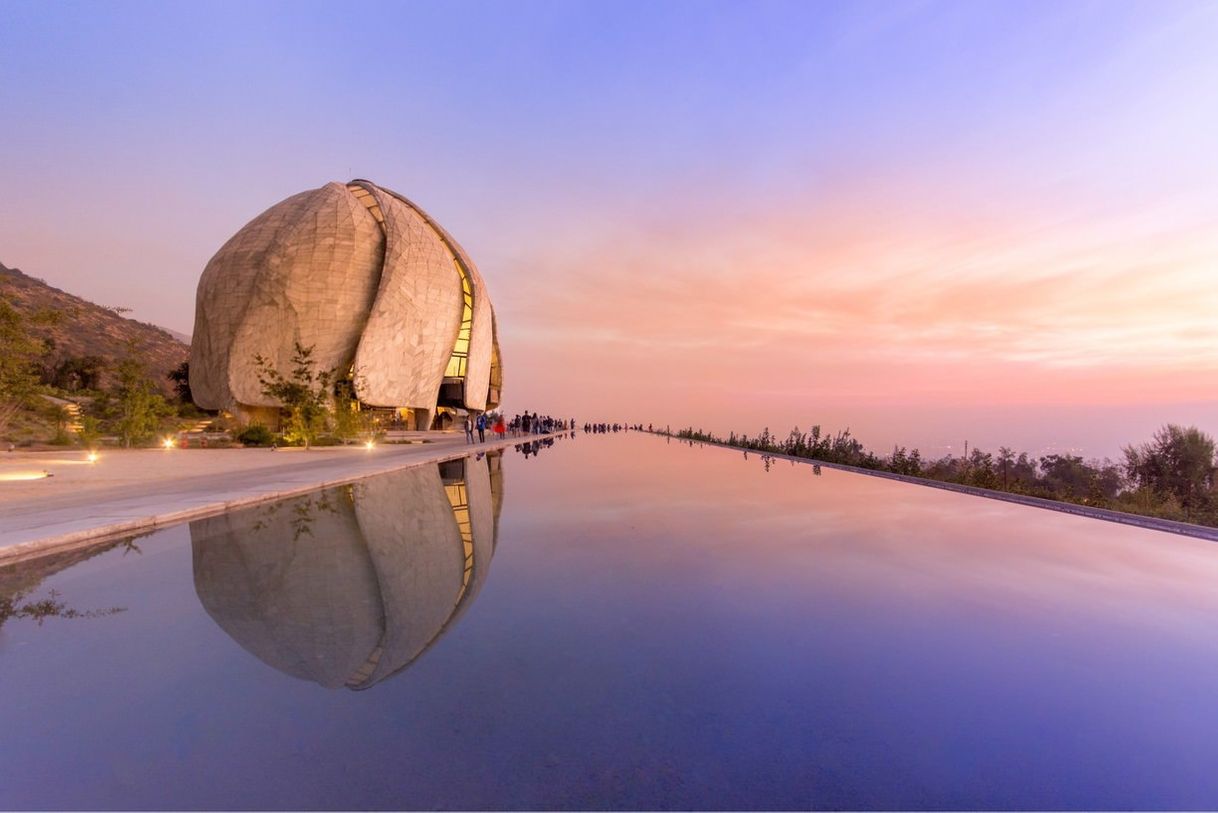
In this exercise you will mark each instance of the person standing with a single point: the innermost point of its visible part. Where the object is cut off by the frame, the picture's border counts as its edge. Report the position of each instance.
(481, 428)
(469, 430)
(500, 428)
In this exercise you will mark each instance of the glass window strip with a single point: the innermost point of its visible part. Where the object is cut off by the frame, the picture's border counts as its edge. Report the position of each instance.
(458, 498)
(458, 363)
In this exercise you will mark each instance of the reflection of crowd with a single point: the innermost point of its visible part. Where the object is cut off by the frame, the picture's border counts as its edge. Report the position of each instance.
(533, 447)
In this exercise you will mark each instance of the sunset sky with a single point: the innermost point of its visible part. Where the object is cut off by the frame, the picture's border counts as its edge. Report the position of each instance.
(932, 222)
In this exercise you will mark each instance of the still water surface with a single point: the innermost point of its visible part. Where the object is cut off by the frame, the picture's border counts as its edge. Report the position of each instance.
(618, 622)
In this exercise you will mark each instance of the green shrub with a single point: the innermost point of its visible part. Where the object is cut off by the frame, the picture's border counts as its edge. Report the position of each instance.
(256, 435)
(90, 432)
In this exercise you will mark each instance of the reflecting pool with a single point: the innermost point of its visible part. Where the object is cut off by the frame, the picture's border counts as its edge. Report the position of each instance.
(349, 586)
(616, 622)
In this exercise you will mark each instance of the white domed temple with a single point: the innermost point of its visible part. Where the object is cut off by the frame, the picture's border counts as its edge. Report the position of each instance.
(379, 290)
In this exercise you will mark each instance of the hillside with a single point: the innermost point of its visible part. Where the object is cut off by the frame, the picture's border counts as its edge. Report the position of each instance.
(85, 329)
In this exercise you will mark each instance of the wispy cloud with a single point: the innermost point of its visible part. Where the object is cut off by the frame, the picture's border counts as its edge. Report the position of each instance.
(1036, 306)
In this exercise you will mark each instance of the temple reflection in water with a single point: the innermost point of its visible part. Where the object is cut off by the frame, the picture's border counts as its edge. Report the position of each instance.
(350, 585)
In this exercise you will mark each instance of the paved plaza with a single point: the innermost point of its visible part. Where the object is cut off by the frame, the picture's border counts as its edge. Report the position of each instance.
(129, 491)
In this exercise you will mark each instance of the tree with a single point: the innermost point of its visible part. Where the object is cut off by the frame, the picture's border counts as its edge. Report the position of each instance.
(16, 606)
(305, 395)
(1065, 476)
(77, 373)
(20, 351)
(1106, 482)
(350, 422)
(180, 376)
(903, 462)
(62, 418)
(138, 405)
(981, 472)
(1179, 462)
(1006, 458)
(90, 432)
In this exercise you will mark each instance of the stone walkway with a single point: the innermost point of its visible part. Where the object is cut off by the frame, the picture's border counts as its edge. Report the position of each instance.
(131, 491)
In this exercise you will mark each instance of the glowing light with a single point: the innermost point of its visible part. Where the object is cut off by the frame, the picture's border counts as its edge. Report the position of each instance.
(24, 475)
(168, 443)
(369, 445)
(92, 457)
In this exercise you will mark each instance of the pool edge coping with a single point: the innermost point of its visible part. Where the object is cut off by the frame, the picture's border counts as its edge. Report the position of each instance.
(1105, 514)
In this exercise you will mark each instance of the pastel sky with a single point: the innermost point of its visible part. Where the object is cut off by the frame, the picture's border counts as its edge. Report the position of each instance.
(931, 222)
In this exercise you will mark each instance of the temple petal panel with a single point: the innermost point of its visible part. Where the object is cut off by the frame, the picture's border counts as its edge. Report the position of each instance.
(383, 294)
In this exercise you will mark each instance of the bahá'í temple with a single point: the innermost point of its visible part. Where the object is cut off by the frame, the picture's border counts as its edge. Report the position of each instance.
(379, 290)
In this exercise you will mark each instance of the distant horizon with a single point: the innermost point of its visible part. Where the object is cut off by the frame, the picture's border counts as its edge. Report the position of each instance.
(930, 222)
(1072, 430)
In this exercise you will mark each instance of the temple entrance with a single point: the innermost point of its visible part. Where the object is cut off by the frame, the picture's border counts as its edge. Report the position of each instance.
(446, 418)
(452, 393)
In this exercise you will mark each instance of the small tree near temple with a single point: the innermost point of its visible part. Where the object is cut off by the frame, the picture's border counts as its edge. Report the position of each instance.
(350, 421)
(305, 393)
(138, 406)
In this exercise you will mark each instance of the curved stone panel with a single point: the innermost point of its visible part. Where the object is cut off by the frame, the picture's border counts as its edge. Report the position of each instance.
(224, 295)
(304, 271)
(482, 337)
(414, 320)
(493, 398)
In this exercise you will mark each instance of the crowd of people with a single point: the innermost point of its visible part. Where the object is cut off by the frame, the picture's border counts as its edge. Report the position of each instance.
(524, 424)
(602, 428)
(530, 423)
